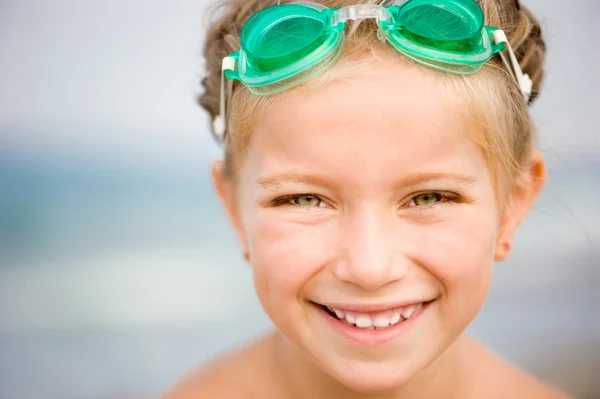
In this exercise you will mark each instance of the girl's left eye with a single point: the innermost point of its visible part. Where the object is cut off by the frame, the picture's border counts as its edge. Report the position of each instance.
(428, 199)
(425, 199)
(306, 200)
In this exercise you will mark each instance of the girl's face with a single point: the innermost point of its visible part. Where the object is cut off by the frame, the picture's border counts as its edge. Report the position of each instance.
(371, 223)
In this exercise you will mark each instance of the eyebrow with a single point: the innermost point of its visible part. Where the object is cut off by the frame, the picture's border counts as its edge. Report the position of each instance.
(274, 181)
(422, 178)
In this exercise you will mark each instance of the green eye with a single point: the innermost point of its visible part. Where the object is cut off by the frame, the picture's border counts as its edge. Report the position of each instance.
(426, 199)
(308, 201)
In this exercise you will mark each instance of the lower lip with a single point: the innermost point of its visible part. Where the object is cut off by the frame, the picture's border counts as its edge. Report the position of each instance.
(373, 337)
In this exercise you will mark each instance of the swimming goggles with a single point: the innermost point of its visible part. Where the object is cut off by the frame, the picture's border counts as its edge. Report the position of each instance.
(287, 44)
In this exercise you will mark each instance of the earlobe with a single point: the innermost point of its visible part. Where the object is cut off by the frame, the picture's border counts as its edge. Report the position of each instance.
(502, 251)
(526, 189)
(225, 189)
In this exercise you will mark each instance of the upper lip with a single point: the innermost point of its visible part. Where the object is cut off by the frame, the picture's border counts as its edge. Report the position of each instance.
(373, 307)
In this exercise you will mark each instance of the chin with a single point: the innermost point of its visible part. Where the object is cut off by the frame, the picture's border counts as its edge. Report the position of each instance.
(372, 377)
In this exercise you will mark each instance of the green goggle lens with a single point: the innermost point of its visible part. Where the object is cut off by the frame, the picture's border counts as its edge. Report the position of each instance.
(448, 26)
(270, 45)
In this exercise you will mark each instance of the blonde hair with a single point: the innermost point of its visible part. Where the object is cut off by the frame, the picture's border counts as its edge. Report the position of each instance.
(491, 98)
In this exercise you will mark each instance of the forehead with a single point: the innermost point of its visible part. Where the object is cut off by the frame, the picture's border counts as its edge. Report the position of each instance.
(387, 115)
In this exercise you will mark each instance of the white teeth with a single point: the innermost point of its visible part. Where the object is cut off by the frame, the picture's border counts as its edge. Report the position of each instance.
(419, 306)
(350, 317)
(363, 321)
(381, 321)
(410, 310)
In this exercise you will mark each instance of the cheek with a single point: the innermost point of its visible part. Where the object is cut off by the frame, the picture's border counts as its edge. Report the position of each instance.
(460, 256)
(285, 256)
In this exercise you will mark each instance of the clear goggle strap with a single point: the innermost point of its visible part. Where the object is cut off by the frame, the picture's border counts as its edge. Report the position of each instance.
(523, 80)
(220, 124)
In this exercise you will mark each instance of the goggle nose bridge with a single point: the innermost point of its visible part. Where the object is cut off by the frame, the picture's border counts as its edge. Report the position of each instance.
(360, 12)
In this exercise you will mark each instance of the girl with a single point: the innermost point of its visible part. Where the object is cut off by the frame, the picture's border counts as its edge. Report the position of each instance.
(378, 159)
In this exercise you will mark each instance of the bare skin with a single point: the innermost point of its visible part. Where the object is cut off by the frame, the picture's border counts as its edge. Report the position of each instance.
(256, 371)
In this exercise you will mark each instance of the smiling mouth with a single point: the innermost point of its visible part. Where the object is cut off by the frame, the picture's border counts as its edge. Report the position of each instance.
(375, 320)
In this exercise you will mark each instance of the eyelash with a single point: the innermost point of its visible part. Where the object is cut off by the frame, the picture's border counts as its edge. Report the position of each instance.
(287, 200)
(449, 198)
(445, 198)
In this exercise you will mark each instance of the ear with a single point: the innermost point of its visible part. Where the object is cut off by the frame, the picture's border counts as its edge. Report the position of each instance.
(226, 190)
(526, 189)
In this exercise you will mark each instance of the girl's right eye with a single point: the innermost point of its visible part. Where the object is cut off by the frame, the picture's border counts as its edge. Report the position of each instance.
(300, 200)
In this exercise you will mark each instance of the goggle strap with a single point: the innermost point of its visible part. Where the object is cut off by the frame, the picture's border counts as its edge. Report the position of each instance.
(219, 124)
(512, 64)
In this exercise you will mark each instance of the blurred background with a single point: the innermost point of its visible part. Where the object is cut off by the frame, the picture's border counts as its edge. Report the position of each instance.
(118, 271)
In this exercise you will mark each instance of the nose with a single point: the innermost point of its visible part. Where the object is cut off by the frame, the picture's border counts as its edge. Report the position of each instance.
(370, 254)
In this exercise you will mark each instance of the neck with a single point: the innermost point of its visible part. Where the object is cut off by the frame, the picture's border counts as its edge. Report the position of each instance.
(302, 378)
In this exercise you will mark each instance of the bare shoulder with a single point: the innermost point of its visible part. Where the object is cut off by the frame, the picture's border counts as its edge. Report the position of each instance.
(499, 379)
(233, 375)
